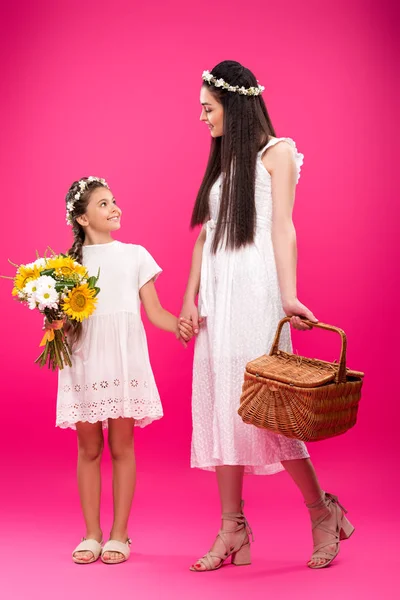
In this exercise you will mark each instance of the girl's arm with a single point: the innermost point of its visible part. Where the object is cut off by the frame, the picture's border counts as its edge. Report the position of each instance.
(160, 317)
(280, 163)
(189, 309)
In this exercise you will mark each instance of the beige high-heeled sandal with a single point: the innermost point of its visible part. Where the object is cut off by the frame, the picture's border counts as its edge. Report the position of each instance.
(89, 545)
(341, 530)
(240, 552)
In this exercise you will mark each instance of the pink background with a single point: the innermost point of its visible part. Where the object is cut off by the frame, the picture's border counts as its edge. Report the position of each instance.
(112, 89)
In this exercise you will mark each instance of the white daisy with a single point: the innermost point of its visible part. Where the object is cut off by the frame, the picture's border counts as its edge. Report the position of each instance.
(47, 298)
(32, 304)
(40, 262)
(45, 283)
(31, 287)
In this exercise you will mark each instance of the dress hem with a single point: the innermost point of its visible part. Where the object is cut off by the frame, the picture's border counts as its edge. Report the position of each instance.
(249, 469)
(142, 422)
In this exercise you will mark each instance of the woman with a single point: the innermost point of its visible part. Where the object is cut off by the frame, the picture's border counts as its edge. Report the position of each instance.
(244, 271)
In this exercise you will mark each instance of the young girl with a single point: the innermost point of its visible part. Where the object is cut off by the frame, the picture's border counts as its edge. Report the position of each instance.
(110, 382)
(244, 269)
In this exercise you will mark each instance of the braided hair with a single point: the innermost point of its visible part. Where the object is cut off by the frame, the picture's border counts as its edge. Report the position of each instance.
(79, 207)
(247, 127)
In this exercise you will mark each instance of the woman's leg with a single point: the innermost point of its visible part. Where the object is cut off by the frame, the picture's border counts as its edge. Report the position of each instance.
(230, 486)
(303, 474)
(90, 447)
(120, 439)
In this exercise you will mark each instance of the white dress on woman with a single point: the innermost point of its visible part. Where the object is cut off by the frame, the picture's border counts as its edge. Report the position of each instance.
(111, 375)
(240, 299)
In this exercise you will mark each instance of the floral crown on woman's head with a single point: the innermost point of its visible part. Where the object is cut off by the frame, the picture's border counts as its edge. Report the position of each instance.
(220, 83)
(83, 186)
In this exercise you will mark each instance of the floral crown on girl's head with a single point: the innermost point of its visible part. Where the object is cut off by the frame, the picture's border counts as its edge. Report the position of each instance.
(220, 83)
(83, 186)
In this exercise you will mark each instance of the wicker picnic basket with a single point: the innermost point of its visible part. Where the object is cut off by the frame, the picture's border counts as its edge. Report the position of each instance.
(301, 398)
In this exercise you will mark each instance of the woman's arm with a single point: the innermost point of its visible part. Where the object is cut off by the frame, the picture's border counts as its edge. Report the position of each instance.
(160, 317)
(280, 163)
(189, 309)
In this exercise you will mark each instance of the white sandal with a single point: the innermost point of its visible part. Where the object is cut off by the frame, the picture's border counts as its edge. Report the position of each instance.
(115, 546)
(92, 546)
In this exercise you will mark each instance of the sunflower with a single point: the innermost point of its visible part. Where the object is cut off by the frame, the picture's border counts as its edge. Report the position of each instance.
(80, 303)
(66, 267)
(25, 274)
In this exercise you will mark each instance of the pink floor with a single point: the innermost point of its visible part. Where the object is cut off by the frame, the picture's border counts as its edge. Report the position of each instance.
(173, 522)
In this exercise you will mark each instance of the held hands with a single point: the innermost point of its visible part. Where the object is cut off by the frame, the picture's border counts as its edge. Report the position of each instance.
(295, 309)
(189, 322)
(184, 332)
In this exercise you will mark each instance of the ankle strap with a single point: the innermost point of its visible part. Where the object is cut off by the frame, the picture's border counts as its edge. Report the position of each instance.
(325, 500)
(240, 519)
(320, 503)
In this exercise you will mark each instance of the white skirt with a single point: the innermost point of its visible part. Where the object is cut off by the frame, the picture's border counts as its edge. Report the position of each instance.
(111, 375)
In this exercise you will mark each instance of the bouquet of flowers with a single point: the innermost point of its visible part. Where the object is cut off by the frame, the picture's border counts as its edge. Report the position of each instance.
(61, 289)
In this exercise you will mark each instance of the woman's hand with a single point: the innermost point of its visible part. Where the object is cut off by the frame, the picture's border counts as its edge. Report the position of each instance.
(190, 313)
(185, 331)
(295, 309)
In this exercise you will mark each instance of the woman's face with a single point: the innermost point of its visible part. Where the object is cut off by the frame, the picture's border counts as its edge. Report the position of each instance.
(212, 112)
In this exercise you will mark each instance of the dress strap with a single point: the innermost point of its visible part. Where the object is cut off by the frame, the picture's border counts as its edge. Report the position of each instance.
(275, 141)
(299, 158)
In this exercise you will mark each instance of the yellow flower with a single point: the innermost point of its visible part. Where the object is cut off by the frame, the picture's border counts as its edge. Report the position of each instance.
(80, 303)
(25, 274)
(66, 267)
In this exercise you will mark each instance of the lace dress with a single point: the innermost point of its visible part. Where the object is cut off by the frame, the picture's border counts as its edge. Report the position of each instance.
(240, 299)
(111, 375)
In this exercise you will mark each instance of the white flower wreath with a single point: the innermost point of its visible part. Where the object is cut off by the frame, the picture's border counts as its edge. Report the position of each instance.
(220, 83)
(83, 185)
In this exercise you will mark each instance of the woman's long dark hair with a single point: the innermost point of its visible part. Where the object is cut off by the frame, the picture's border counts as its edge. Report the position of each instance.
(247, 127)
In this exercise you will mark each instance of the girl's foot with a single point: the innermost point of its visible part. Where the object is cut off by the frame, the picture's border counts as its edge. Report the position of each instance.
(88, 556)
(330, 526)
(232, 540)
(111, 554)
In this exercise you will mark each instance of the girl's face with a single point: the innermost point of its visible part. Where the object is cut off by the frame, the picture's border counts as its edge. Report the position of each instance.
(102, 214)
(212, 112)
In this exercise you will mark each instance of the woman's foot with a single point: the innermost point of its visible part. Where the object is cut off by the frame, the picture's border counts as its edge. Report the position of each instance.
(87, 556)
(115, 557)
(329, 527)
(232, 540)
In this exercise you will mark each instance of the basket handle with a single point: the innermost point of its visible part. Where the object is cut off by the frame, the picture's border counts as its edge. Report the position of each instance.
(341, 372)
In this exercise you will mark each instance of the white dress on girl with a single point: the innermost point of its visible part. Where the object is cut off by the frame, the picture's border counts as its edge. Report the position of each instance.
(111, 375)
(240, 299)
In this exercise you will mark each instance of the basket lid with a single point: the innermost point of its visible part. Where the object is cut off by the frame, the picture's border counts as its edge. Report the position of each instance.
(296, 370)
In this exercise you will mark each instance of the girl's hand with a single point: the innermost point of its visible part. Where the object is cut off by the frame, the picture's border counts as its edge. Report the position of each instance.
(190, 313)
(185, 331)
(295, 309)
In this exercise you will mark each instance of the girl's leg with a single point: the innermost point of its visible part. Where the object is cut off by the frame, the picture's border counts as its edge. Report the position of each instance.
(230, 486)
(303, 474)
(120, 439)
(90, 447)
